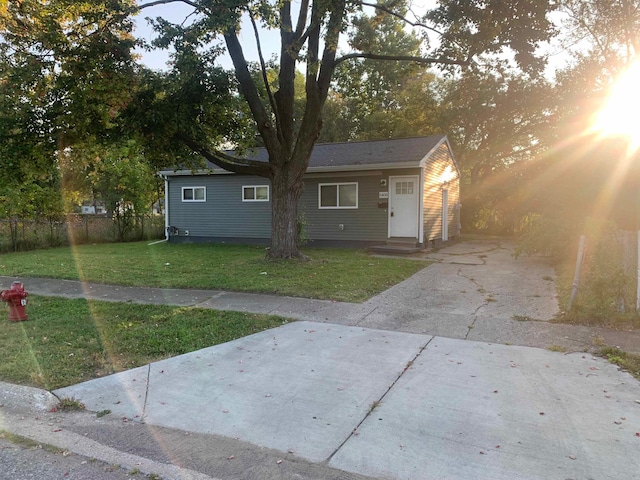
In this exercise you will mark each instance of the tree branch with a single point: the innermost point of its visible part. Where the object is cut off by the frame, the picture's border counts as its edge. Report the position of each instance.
(228, 162)
(328, 64)
(164, 2)
(302, 19)
(250, 93)
(385, 9)
(263, 68)
(406, 58)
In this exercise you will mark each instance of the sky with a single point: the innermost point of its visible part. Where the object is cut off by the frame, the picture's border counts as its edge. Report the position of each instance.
(177, 13)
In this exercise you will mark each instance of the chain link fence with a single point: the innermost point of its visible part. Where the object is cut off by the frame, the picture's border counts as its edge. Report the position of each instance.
(608, 277)
(21, 235)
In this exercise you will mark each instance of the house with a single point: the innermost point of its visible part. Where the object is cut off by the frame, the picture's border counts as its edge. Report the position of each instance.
(92, 208)
(355, 194)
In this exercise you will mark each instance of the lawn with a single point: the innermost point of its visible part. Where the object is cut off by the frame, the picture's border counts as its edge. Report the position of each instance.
(333, 274)
(69, 341)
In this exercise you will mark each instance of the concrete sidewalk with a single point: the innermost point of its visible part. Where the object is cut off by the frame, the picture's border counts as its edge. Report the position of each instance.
(393, 405)
(391, 388)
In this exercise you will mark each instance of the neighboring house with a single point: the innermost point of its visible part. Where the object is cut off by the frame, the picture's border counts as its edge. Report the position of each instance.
(92, 209)
(355, 194)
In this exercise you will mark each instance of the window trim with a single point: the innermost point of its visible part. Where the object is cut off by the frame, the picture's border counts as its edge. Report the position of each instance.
(194, 199)
(338, 206)
(255, 199)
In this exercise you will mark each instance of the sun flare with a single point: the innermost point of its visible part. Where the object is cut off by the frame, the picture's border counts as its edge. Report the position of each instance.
(620, 115)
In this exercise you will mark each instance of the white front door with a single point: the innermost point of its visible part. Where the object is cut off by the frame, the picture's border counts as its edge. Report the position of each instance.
(403, 206)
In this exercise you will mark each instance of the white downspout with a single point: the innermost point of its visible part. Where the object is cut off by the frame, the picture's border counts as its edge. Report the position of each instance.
(166, 207)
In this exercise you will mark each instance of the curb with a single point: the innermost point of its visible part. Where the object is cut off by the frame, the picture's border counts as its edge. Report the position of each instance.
(19, 398)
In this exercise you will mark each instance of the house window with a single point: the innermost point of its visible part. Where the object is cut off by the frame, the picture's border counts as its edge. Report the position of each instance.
(338, 195)
(255, 193)
(404, 188)
(194, 194)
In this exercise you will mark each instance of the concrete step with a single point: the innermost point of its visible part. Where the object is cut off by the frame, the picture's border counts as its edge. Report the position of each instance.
(396, 249)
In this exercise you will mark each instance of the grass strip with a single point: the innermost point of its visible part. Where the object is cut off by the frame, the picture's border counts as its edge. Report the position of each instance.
(65, 342)
(332, 274)
(629, 362)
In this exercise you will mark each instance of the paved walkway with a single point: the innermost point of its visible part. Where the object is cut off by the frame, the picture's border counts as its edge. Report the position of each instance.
(391, 388)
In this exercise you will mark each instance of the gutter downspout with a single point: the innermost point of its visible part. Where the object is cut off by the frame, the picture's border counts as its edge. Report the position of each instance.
(166, 207)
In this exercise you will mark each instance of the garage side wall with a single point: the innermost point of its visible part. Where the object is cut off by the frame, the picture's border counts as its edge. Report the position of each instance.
(440, 173)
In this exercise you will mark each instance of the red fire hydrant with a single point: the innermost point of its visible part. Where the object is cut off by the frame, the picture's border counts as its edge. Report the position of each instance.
(16, 297)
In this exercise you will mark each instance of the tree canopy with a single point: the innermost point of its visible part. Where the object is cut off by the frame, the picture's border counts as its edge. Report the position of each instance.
(69, 65)
(310, 37)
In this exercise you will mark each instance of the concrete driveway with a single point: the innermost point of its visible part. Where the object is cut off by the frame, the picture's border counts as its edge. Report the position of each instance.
(394, 388)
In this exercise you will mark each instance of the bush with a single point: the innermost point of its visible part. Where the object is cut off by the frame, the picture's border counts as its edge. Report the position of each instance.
(608, 287)
(549, 236)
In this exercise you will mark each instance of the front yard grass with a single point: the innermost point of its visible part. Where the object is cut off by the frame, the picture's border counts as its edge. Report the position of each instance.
(69, 341)
(332, 274)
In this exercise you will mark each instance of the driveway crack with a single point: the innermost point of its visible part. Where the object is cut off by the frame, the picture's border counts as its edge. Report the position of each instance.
(364, 317)
(146, 394)
(376, 403)
(482, 305)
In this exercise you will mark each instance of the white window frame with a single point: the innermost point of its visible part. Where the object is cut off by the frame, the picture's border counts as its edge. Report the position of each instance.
(204, 189)
(255, 199)
(337, 185)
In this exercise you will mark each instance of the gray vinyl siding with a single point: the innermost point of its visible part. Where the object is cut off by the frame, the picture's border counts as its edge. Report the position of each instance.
(435, 170)
(368, 222)
(224, 214)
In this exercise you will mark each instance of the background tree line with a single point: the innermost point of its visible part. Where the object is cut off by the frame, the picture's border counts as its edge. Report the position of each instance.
(81, 117)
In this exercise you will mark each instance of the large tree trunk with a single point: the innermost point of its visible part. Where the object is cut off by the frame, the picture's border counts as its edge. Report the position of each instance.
(286, 191)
